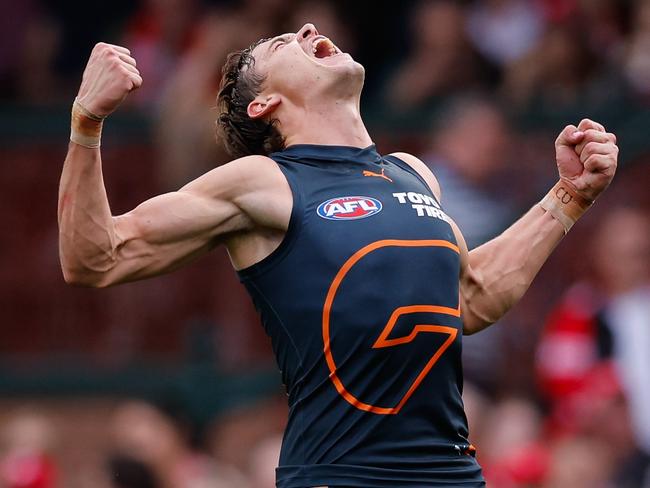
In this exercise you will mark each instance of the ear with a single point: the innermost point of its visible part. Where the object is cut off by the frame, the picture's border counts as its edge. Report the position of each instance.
(263, 106)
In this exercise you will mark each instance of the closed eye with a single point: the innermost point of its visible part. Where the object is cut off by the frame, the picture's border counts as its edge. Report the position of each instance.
(281, 41)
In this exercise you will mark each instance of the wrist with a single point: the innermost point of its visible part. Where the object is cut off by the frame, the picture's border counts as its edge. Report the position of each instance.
(565, 204)
(85, 127)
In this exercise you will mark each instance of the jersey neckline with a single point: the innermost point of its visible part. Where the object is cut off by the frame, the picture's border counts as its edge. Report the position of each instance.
(328, 152)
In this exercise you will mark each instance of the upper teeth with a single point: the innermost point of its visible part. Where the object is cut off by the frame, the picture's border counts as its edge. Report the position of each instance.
(318, 43)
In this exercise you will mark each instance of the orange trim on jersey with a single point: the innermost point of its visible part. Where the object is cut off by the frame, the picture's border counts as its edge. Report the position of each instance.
(383, 340)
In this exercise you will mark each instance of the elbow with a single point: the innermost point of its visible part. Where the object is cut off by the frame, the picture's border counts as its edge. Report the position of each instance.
(81, 269)
(478, 308)
(83, 278)
(468, 330)
(471, 327)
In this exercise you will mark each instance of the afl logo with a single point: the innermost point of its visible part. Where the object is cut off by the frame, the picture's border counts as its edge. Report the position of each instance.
(349, 208)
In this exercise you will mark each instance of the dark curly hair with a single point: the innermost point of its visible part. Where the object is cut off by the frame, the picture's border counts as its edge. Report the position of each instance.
(240, 84)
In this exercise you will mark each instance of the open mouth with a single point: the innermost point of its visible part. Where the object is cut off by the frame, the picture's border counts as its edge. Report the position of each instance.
(322, 47)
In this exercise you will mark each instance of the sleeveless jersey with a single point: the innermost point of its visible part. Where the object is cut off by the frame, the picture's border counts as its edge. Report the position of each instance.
(361, 302)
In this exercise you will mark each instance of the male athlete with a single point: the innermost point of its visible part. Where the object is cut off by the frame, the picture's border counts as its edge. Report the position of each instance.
(364, 285)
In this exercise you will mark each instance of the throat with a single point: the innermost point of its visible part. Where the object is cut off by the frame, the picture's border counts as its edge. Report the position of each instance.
(335, 124)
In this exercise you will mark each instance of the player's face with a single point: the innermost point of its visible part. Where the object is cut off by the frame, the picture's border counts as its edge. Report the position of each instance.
(303, 64)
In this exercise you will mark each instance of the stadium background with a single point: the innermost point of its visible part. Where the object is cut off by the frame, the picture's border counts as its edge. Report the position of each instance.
(170, 383)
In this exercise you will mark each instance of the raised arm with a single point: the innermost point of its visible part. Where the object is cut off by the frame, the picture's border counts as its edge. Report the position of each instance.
(497, 274)
(161, 234)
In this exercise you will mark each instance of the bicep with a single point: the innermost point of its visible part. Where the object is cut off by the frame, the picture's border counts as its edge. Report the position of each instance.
(471, 286)
(168, 231)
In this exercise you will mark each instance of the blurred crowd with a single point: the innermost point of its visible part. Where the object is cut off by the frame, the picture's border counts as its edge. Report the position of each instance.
(557, 393)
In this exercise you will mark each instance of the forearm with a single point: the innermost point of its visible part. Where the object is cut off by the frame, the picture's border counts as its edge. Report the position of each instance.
(504, 267)
(497, 274)
(160, 234)
(502, 270)
(87, 239)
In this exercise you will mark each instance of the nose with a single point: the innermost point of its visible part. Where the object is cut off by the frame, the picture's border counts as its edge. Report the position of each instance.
(307, 30)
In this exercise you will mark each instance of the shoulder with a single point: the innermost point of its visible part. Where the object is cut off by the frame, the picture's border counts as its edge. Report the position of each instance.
(238, 178)
(422, 169)
(253, 185)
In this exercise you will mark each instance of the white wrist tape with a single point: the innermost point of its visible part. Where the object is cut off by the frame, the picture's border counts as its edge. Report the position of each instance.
(565, 205)
(85, 126)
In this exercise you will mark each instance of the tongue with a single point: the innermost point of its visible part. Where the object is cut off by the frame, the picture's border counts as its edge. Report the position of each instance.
(322, 50)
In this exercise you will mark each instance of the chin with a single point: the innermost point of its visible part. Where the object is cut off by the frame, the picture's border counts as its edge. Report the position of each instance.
(333, 78)
(356, 73)
(347, 70)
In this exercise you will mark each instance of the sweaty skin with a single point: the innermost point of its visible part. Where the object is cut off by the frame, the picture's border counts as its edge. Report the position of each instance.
(246, 204)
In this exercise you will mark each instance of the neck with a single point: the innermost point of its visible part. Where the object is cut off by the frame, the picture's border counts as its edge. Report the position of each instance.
(336, 123)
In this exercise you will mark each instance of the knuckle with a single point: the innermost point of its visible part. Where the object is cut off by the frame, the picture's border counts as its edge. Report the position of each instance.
(593, 158)
(594, 134)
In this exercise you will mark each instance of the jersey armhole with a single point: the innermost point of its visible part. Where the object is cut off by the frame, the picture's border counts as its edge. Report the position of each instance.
(295, 223)
(407, 167)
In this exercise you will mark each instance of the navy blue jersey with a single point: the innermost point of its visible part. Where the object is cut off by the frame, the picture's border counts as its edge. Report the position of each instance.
(361, 302)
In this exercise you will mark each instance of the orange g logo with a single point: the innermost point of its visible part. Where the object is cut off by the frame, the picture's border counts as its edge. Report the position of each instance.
(384, 340)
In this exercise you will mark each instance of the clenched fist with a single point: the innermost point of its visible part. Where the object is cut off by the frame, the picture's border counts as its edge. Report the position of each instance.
(587, 157)
(109, 76)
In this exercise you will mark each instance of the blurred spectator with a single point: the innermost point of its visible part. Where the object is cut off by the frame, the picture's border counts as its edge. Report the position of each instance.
(263, 460)
(127, 472)
(25, 462)
(469, 151)
(510, 450)
(555, 74)
(247, 436)
(505, 30)
(440, 62)
(12, 28)
(605, 23)
(637, 57)
(606, 319)
(36, 46)
(580, 462)
(149, 448)
(157, 35)
(185, 132)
